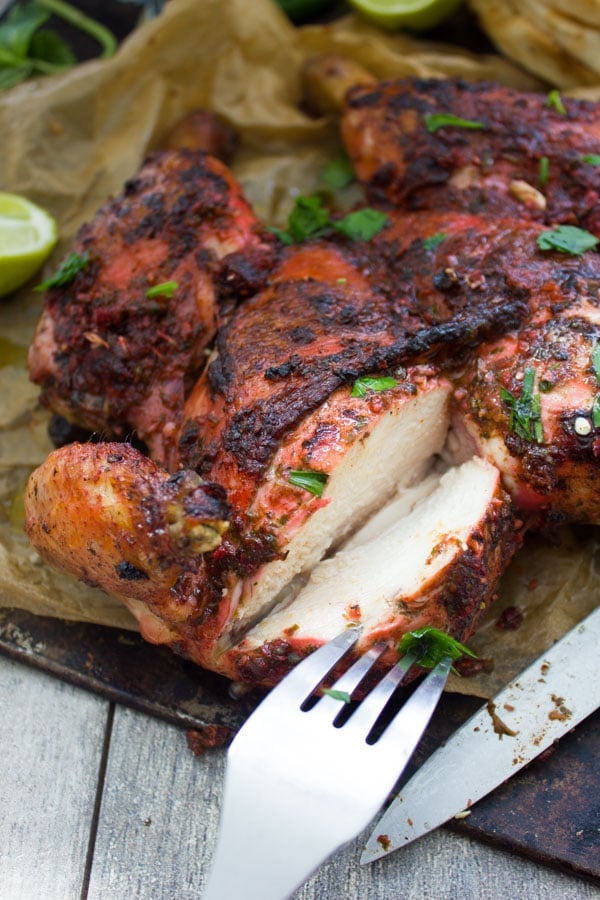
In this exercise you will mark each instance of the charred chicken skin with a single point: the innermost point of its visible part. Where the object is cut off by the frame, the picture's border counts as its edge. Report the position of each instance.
(529, 404)
(435, 144)
(302, 497)
(120, 343)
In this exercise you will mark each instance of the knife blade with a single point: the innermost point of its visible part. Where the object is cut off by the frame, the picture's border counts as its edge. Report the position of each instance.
(554, 694)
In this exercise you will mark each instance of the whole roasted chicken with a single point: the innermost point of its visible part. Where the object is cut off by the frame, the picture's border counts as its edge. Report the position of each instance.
(379, 418)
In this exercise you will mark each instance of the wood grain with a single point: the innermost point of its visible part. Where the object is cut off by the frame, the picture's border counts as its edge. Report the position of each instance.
(159, 819)
(52, 739)
(159, 813)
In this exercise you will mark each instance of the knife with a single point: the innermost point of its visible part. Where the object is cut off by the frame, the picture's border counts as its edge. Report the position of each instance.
(545, 701)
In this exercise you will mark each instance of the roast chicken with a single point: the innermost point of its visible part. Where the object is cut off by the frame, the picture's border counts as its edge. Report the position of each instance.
(374, 423)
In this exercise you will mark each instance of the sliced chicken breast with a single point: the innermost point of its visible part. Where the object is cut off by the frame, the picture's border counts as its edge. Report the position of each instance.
(437, 561)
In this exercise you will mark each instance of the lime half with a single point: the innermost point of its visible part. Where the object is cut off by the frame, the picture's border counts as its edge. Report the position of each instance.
(413, 14)
(27, 236)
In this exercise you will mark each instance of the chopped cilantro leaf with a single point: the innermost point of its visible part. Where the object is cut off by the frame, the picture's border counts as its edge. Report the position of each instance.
(441, 120)
(544, 170)
(432, 646)
(166, 289)
(434, 240)
(555, 101)
(311, 481)
(309, 218)
(596, 361)
(567, 239)
(363, 224)
(66, 272)
(596, 411)
(525, 411)
(338, 173)
(372, 383)
(344, 696)
(592, 159)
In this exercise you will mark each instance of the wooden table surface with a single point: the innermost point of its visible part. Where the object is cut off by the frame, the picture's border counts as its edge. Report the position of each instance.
(98, 801)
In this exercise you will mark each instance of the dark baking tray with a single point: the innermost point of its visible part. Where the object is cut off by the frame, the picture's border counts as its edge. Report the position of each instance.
(549, 812)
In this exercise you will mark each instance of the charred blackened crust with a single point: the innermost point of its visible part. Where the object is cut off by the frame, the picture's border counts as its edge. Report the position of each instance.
(414, 166)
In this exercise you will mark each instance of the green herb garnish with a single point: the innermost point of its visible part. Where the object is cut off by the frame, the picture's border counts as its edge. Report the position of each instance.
(361, 225)
(338, 173)
(431, 646)
(372, 383)
(592, 159)
(430, 243)
(434, 240)
(555, 101)
(310, 218)
(595, 356)
(27, 49)
(166, 289)
(525, 411)
(567, 239)
(440, 120)
(344, 696)
(311, 481)
(66, 272)
(543, 172)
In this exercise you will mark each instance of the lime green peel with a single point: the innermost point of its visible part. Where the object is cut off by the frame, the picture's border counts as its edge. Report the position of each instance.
(415, 15)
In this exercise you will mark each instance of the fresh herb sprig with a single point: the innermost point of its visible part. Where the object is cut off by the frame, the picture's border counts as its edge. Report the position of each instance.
(366, 383)
(342, 696)
(27, 49)
(567, 239)
(338, 173)
(311, 481)
(525, 411)
(595, 356)
(434, 121)
(434, 240)
(555, 101)
(431, 646)
(66, 272)
(164, 289)
(309, 218)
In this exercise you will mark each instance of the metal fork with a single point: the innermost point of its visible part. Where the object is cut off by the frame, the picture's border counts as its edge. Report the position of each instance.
(297, 787)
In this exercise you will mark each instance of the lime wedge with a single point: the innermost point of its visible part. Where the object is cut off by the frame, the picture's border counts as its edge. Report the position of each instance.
(418, 15)
(27, 236)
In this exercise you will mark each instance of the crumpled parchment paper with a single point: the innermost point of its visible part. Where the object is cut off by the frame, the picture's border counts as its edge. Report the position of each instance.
(70, 141)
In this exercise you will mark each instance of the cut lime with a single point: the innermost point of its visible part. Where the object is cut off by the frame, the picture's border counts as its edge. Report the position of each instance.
(418, 15)
(27, 236)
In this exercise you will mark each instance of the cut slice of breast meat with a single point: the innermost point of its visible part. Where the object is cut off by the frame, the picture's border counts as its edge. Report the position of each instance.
(434, 558)
(368, 449)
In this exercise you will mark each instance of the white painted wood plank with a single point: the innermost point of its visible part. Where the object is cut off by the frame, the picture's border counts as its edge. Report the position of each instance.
(442, 866)
(158, 815)
(51, 744)
(158, 825)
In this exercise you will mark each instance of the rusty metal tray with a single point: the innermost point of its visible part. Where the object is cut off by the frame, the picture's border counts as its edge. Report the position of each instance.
(549, 812)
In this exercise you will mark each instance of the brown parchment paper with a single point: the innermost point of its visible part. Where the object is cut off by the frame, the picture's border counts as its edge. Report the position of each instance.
(70, 141)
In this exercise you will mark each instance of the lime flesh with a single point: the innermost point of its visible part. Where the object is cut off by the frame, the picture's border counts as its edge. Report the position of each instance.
(27, 237)
(417, 15)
